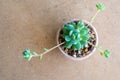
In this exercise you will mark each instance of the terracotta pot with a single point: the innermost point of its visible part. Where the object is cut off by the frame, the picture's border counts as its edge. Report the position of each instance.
(78, 58)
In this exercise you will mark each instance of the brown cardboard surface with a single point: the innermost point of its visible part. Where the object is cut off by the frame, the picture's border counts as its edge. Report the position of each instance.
(33, 24)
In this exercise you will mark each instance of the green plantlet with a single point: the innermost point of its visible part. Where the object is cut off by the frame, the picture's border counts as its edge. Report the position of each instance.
(27, 55)
(76, 35)
(100, 6)
(106, 53)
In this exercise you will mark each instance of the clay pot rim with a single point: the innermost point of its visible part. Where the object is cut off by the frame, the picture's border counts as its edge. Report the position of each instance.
(78, 58)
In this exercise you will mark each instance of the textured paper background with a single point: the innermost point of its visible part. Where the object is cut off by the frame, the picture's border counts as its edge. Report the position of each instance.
(33, 24)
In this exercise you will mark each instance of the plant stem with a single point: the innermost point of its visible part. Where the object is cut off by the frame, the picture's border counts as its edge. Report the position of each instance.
(96, 47)
(48, 50)
(99, 49)
(92, 19)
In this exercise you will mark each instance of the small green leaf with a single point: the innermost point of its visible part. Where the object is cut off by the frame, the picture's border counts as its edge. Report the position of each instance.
(84, 31)
(101, 53)
(74, 41)
(100, 6)
(27, 54)
(77, 46)
(78, 36)
(83, 43)
(30, 57)
(74, 47)
(69, 26)
(76, 31)
(45, 49)
(65, 30)
(107, 56)
(34, 53)
(67, 38)
(41, 57)
(27, 51)
(85, 37)
(73, 36)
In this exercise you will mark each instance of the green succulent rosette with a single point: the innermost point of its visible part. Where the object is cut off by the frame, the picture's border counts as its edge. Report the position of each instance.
(76, 35)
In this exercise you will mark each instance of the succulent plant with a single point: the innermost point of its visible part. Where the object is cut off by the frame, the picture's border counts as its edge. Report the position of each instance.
(76, 35)
(27, 54)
